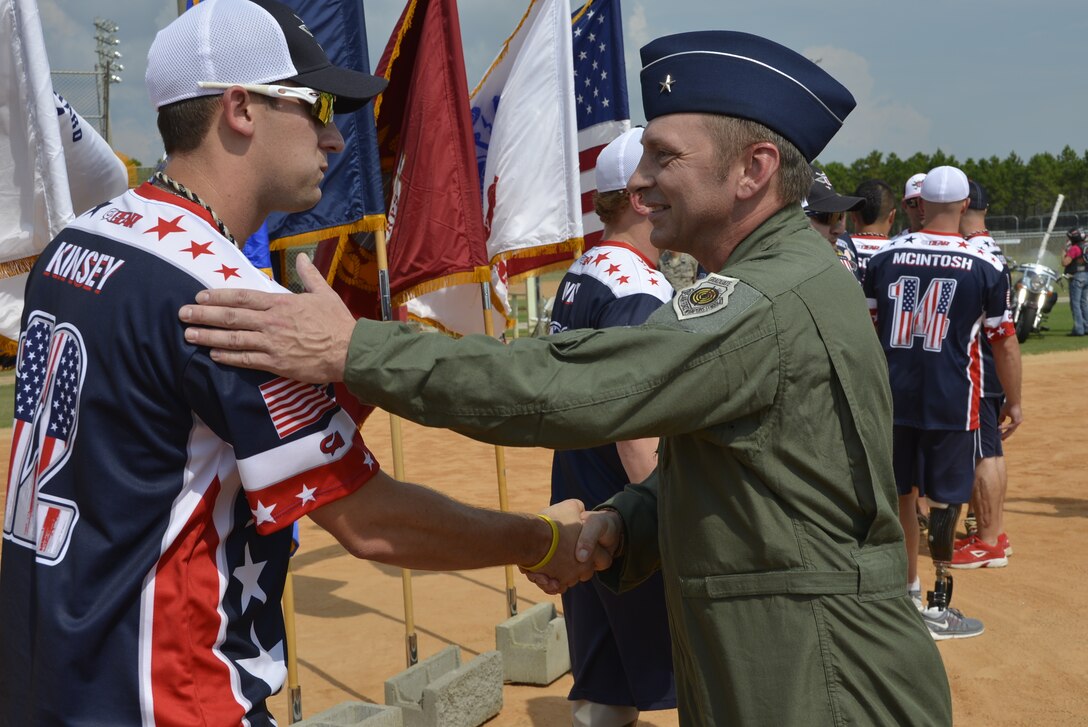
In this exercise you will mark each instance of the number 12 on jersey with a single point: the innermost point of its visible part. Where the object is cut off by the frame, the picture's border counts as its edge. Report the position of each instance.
(926, 317)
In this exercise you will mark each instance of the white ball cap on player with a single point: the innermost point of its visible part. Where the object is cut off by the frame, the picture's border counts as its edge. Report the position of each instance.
(913, 187)
(945, 184)
(617, 161)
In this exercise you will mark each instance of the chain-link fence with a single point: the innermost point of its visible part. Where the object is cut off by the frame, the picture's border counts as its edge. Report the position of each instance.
(83, 90)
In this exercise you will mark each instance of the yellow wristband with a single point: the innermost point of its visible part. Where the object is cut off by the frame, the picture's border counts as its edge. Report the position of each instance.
(551, 551)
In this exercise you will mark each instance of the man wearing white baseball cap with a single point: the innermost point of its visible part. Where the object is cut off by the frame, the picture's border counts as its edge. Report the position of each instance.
(620, 648)
(148, 524)
(927, 292)
(912, 199)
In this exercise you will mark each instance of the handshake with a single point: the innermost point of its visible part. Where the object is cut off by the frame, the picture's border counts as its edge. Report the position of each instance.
(583, 542)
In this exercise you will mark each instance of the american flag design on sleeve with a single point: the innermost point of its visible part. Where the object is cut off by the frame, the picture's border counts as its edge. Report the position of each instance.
(293, 405)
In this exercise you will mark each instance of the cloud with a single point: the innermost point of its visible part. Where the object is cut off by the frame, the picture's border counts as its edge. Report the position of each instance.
(879, 122)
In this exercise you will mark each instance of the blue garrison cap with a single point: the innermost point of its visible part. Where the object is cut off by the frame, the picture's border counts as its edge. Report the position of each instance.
(746, 76)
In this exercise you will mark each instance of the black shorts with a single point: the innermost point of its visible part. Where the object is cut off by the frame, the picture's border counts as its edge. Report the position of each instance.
(989, 436)
(940, 463)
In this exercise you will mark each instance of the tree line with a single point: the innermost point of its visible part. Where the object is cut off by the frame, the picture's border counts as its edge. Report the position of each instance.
(1015, 187)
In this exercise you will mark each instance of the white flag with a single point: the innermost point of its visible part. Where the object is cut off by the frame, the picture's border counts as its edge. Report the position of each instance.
(527, 150)
(36, 127)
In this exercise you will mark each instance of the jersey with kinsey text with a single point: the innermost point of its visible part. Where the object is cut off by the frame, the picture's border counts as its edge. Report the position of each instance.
(151, 491)
(931, 295)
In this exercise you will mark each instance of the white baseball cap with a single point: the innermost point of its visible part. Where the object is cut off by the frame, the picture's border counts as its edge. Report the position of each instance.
(617, 161)
(945, 184)
(247, 42)
(913, 187)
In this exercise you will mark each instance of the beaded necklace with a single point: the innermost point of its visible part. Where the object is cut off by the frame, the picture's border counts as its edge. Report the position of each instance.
(181, 190)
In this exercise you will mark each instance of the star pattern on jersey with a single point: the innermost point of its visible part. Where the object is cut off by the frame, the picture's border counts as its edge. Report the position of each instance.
(600, 258)
(613, 268)
(166, 227)
(196, 249)
(248, 574)
(227, 272)
(624, 279)
(263, 513)
(306, 494)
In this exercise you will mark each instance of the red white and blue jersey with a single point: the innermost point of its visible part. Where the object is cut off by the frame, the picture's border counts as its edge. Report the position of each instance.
(931, 295)
(611, 284)
(866, 245)
(991, 386)
(151, 491)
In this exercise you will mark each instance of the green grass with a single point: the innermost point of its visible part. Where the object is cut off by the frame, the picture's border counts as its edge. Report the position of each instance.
(1060, 323)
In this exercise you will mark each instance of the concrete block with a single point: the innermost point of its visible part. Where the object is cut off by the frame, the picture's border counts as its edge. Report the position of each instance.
(441, 692)
(356, 714)
(533, 645)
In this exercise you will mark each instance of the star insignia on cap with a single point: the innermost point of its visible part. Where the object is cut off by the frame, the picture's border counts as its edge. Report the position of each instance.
(666, 85)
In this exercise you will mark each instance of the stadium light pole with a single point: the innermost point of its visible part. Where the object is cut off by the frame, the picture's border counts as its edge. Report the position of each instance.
(108, 58)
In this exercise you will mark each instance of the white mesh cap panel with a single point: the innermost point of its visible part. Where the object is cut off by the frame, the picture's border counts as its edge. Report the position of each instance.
(229, 41)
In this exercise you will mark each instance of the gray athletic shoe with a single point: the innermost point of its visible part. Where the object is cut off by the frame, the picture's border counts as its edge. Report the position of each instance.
(950, 623)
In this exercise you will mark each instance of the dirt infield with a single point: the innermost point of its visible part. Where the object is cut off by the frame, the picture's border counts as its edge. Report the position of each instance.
(1029, 668)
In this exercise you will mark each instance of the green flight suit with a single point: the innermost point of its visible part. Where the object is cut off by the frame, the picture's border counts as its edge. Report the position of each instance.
(772, 513)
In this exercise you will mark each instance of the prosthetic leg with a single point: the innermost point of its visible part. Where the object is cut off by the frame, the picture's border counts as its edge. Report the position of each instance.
(942, 537)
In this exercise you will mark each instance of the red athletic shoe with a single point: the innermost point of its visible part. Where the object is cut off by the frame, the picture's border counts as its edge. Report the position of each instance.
(977, 554)
(1002, 540)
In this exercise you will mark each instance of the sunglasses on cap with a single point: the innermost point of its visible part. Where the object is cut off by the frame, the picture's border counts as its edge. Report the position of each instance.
(321, 102)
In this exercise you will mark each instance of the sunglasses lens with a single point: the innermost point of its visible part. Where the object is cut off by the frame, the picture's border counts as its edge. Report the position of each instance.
(322, 108)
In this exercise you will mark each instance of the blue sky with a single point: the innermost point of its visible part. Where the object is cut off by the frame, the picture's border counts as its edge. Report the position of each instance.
(974, 78)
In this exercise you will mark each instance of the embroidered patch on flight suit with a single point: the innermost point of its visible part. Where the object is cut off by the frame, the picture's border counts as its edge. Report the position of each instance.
(704, 297)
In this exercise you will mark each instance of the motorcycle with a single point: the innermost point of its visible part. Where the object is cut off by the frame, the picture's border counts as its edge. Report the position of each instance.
(1033, 297)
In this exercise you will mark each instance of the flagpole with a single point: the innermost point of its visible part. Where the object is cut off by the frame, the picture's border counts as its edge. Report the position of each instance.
(500, 461)
(411, 643)
(294, 690)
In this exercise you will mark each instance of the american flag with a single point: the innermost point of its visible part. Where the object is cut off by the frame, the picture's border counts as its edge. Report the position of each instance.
(49, 369)
(600, 88)
(294, 405)
(905, 294)
(935, 310)
(927, 318)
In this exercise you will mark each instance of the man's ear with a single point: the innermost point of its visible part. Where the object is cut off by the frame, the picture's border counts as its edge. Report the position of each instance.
(635, 199)
(237, 105)
(761, 162)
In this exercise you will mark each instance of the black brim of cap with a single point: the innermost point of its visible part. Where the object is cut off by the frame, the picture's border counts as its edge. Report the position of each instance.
(353, 89)
(831, 202)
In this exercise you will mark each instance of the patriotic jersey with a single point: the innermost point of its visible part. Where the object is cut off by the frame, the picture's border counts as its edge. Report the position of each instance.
(848, 255)
(151, 491)
(611, 284)
(931, 295)
(991, 386)
(866, 245)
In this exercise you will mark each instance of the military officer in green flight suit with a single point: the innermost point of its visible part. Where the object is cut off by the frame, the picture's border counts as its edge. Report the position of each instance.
(772, 511)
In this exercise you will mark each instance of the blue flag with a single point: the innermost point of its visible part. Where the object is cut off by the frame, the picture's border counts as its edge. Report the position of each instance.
(351, 199)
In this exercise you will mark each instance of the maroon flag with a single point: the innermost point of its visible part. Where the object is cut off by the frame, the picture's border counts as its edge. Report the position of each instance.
(435, 215)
